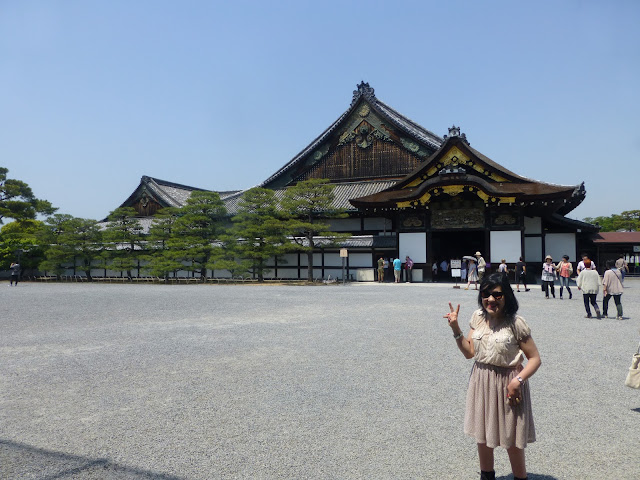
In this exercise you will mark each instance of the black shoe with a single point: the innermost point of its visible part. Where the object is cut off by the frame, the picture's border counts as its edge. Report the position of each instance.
(570, 296)
(598, 315)
(527, 289)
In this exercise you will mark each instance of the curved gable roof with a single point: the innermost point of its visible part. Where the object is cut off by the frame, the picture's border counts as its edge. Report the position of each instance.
(458, 167)
(363, 94)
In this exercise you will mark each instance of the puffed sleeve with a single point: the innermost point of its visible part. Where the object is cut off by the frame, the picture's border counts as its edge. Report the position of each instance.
(476, 319)
(521, 329)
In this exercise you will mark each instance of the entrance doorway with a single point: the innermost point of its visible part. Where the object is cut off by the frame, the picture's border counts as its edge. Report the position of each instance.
(448, 245)
(457, 244)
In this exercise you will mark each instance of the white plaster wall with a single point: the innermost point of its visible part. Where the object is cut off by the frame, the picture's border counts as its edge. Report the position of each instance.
(317, 260)
(414, 245)
(533, 249)
(332, 260)
(288, 273)
(360, 260)
(290, 259)
(364, 274)
(559, 244)
(505, 245)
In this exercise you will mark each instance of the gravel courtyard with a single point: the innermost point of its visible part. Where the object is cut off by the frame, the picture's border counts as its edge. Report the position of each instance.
(362, 381)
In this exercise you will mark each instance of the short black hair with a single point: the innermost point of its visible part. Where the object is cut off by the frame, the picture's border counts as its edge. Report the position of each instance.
(610, 264)
(498, 279)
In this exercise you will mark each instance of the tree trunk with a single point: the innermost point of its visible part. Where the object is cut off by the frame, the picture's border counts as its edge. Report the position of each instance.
(310, 258)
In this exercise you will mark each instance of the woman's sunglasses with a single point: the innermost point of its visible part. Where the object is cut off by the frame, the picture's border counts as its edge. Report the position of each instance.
(496, 295)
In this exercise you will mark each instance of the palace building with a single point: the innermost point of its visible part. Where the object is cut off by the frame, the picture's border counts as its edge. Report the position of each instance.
(410, 192)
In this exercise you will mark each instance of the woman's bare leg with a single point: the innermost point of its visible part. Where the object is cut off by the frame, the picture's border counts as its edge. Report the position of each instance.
(516, 457)
(486, 457)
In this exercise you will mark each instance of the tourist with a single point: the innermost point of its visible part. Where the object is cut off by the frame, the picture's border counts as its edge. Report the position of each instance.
(15, 273)
(387, 274)
(589, 282)
(444, 268)
(503, 269)
(581, 263)
(380, 270)
(498, 407)
(463, 271)
(612, 287)
(397, 269)
(521, 275)
(481, 265)
(434, 271)
(472, 275)
(565, 269)
(622, 266)
(548, 276)
(408, 267)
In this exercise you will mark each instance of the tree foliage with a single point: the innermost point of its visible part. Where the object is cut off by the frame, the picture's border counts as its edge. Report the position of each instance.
(71, 242)
(161, 260)
(199, 224)
(125, 239)
(627, 221)
(307, 205)
(17, 200)
(258, 234)
(19, 241)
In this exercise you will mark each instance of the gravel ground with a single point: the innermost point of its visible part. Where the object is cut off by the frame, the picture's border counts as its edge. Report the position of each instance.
(361, 381)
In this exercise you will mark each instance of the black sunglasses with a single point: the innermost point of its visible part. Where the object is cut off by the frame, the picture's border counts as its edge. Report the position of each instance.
(494, 294)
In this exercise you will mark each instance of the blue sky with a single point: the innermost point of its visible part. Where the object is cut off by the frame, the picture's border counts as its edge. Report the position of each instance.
(219, 95)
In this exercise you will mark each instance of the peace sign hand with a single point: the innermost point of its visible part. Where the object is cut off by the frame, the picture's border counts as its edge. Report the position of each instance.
(452, 317)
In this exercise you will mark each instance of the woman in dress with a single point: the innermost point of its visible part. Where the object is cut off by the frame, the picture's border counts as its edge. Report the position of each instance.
(472, 274)
(498, 408)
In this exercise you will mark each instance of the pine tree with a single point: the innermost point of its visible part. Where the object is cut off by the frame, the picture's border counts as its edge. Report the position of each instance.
(258, 233)
(307, 205)
(125, 241)
(200, 223)
(17, 200)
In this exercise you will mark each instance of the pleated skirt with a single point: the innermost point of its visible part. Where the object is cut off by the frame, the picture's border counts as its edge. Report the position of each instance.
(488, 416)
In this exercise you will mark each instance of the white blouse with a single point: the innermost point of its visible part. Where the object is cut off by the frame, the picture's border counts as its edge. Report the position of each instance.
(500, 345)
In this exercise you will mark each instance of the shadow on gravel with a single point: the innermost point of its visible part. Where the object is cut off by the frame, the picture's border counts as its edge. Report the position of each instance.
(22, 461)
(637, 410)
(530, 476)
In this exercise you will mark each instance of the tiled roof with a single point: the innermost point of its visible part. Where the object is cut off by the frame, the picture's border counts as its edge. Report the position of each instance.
(617, 237)
(570, 222)
(343, 192)
(360, 241)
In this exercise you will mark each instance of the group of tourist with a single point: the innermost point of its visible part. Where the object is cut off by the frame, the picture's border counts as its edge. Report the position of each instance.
(588, 281)
(397, 265)
(475, 270)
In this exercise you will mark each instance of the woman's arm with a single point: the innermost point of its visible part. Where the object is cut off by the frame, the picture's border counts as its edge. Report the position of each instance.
(530, 350)
(464, 344)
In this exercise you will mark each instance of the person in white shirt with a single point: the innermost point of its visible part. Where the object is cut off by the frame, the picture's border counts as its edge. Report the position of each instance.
(581, 264)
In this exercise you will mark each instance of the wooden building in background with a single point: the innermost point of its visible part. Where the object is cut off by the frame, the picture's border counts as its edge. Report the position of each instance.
(411, 192)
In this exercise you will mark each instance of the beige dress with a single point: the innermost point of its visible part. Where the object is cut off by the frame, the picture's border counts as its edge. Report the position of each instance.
(488, 417)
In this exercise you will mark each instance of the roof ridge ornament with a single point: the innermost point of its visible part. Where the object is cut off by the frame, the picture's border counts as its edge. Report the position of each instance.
(363, 90)
(455, 132)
